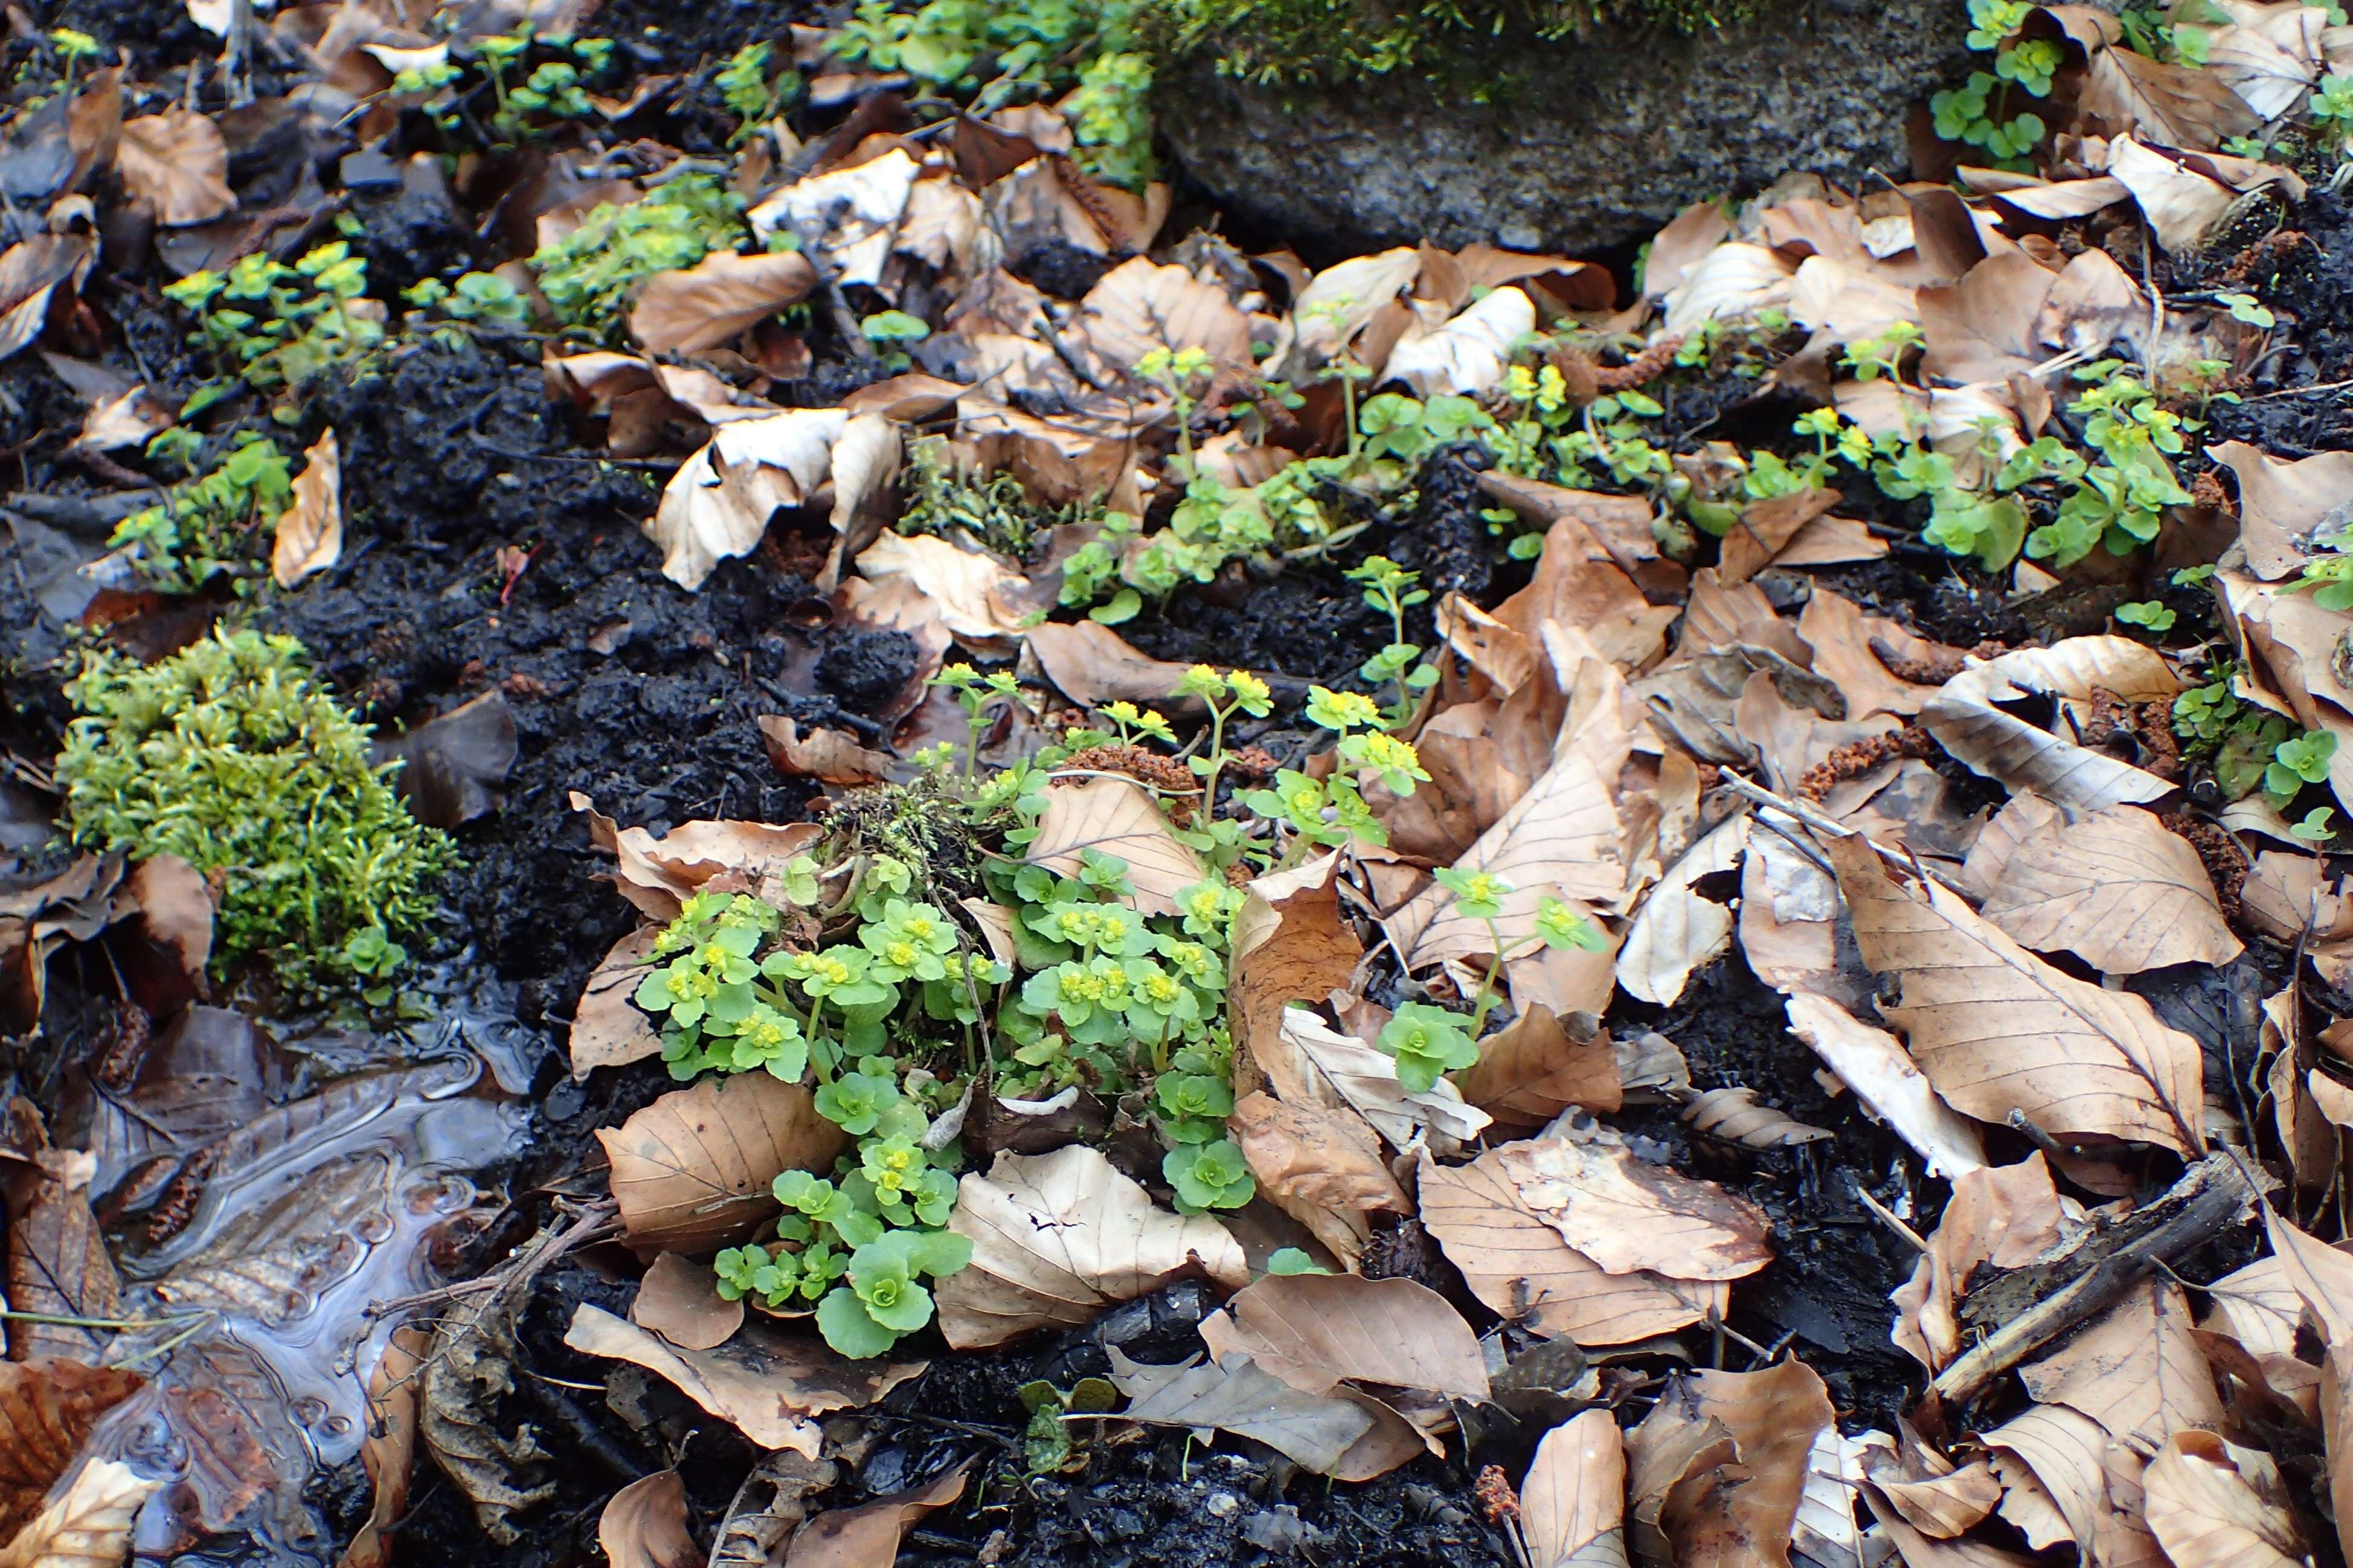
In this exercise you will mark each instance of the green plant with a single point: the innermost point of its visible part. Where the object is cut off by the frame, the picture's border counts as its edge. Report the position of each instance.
(891, 332)
(587, 275)
(994, 508)
(2248, 309)
(2152, 615)
(1046, 1445)
(278, 328)
(213, 526)
(2331, 578)
(2331, 106)
(2298, 761)
(1978, 113)
(1389, 589)
(1883, 354)
(2313, 828)
(749, 90)
(230, 756)
(1111, 119)
(475, 299)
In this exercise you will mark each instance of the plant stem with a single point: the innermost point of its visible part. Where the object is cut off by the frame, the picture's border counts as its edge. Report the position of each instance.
(1488, 996)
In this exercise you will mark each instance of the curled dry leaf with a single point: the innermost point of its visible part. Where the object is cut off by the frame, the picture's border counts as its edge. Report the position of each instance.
(1997, 1029)
(1514, 1260)
(644, 1525)
(87, 1525)
(1932, 1495)
(1573, 1500)
(826, 755)
(1873, 1064)
(1290, 945)
(608, 1030)
(1536, 1066)
(692, 1172)
(1966, 721)
(2212, 1504)
(1735, 1116)
(176, 164)
(1678, 931)
(717, 299)
(2323, 1276)
(679, 1300)
(659, 875)
(771, 1386)
(1315, 1330)
(976, 596)
(1466, 355)
(2003, 1216)
(2115, 887)
(46, 1410)
(1115, 816)
(1234, 1394)
(868, 1536)
(718, 503)
(310, 533)
(1057, 1237)
(1630, 1216)
(1092, 665)
(1315, 1063)
(2064, 1478)
(389, 1454)
(1714, 1508)
(1320, 1166)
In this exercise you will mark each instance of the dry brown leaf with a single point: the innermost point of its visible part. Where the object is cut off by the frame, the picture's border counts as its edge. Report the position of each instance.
(2212, 1504)
(1678, 931)
(659, 875)
(58, 1266)
(718, 504)
(826, 755)
(771, 1387)
(1314, 1331)
(389, 1452)
(679, 1300)
(1289, 944)
(1997, 1029)
(2135, 1370)
(1057, 1237)
(1764, 528)
(1514, 1260)
(1315, 1431)
(46, 1410)
(1965, 721)
(717, 299)
(1314, 1064)
(2179, 105)
(2003, 1216)
(1115, 816)
(609, 1028)
(2089, 1485)
(979, 598)
(1139, 306)
(2117, 888)
(868, 1536)
(1873, 1064)
(2323, 1276)
(1320, 1166)
(691, 1170)
(1573, 1500)
(1736, 1116)
(1932, 1495)
(1339, 301)
(1714, 1510)
(1630, 1216)
(176, 164)
(1092, 665)
(1843, 638)
(2285, 503)
(175, 902)
(1533, 1069)
(644, 1525)
(89, 1525)
(310, 533)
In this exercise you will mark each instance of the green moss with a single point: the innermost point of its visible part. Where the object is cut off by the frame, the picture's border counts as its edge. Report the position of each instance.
(231, 756)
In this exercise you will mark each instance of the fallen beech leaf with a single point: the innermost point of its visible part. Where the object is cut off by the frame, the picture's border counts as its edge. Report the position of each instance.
(1934, 1497)
(1678, 930)
(310, 533)
(1966, 722)
(389, 1452)
(659, 875)
(2212, 1504)
(1057, 1237)
(1573, 1500)
(2177, 105)
(1764, 528)
(1873, 1064)
(1115, 816)
(1532, 1070)
(2135, 1370)
(849, 215)
(868, 1536)
(1843, 637)
(976, 595)
(691, 1170)
(2003, 1216)
(1315, 1330)
(717, 299)
(1825, 1529)
(1630, 1216)
(175, 163)
(454, 766)
(1736, 1116)
(644, 1525)
(1341, 299)
(608, 1030)
(2285, 503)
(1997, 1029)
(2323, 1276)
(2089, 1485)
(2115, 887)
(58, 1266)
(772, 1387)
(826, 755)
(1139, 306)
(1719, 1510)
(31, 271)
(1092, 665)
(1314, 1064)
(1320, 1166)
(175, 904)
(1289, 944)
(1467, 354)
(718, 503)
(1731, 280)
(89, 1525)
(1314, 1431)
(679, 1300)
(46, 1410)
(128, 419)
(1514, 1260)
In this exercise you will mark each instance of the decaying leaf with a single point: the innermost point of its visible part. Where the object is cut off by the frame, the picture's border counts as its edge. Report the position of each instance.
(1320, 1166)
(679, 1300)
(1138, 307)
(608, 1030)
(1997, 1029)
(2115, 887)
(1678, 931)
(1290, 945)
(2212, 1504)
(310, 533)
(1737, 1116)
(1719, 1464)
(89, 1524)
(717, 299)
(1630, 1216)
(868, 1536)
(2135, 1370)
(1057, 1237)
(176, 164)
(1314, 1332)
(2004, 1216)
(1966, 721)
(659, 875)
(389, 1454)
(1233, 1394)
(1114, 816)
(1873, 1064)
(1573, 1502)
(772, 1386)
(718, 503)
(58, 1266)
(1315, 1063)
(1536, 1066)
(2286, 505)
(46, 1409)
(826, 755)
(644, 1525)
(692, 1171)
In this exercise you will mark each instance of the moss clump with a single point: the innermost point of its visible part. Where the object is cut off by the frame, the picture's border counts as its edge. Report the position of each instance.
(230, 756)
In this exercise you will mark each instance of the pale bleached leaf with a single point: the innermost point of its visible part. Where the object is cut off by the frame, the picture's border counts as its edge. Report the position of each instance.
(1573, 1502)
(2212, 1504)
(310, 534)
(1115, 816)
(2115, 887)
(1678, 931)
(1315, 1063)
(1873, 1063)
(1966, 721)
(87, 1525)
(1468, 354)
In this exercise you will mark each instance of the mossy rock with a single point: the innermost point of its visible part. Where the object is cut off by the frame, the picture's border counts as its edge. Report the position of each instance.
(1589, 139)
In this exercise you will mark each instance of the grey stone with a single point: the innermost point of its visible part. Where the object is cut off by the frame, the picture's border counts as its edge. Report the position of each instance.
(1596, 140)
